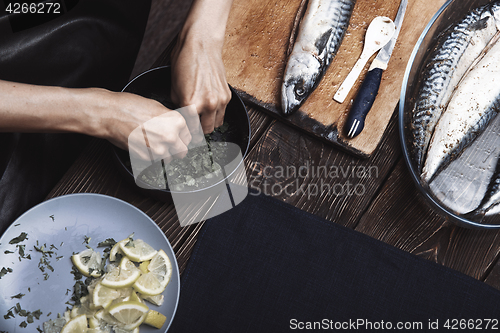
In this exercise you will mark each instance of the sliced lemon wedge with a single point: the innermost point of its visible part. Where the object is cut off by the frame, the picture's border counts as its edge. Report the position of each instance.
(122, 276)
(137, 250)
(88, 262)
(149, 285)
(76, 325)
(130, 314)
(161, 267)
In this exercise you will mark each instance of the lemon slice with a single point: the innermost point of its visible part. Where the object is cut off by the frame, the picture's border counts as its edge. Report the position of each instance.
(134, 297)
(76, 325)
(93, 322)
(117, 250)
(122, 276)
(104, 316)
(83, 308)
(143, 266)
(103, 296)
(88, 262)
(137, 250)
(155, 319)
(149, 285)
(161, 267)
(131, 314)
(156, 300)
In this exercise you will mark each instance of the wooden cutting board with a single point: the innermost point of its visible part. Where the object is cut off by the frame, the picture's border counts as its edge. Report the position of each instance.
(254, 54)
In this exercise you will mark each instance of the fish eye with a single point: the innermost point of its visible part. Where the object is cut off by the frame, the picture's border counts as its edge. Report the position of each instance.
(299, 90)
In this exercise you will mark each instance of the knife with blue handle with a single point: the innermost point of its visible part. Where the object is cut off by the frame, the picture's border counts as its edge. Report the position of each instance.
(369, 88)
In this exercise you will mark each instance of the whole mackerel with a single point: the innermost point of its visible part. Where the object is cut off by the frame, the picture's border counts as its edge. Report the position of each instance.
(475, 102)
(451, 58)
(321, 32)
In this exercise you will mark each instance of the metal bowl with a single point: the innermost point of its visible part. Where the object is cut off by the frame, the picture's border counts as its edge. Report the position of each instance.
(155, 84)
(450, 13)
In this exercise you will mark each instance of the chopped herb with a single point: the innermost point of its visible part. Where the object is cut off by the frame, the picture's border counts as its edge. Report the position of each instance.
(85, 259)
(19, 238)
(4, 271)
(43, 250)
(30, 318)
(223, 128)
(60, 257)
(87, 240)
(8, 252)
(17, 224)
(119, 257)
(17, 296)
(9, 315)
(23, 324)
(39, 329)
(37, 314)
(46, 276)
(76, 273)
(20, 249)
(79, 290)
(107, 242)
(52, 217)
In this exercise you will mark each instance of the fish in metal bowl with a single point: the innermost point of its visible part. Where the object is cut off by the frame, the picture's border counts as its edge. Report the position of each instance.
(448, 113)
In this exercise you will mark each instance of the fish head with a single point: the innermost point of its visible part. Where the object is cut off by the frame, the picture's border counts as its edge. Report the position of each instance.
(302, 75)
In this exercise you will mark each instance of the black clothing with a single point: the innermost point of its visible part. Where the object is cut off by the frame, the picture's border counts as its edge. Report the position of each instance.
(91, 43)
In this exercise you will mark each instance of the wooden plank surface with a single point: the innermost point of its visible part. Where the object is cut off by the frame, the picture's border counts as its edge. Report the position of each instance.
(320, 179)
(254, 55)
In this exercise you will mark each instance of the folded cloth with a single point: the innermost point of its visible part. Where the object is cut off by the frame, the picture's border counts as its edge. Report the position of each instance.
(266, 266)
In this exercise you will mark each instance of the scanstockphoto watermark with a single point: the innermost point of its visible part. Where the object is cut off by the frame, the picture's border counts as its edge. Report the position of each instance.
(310, 180)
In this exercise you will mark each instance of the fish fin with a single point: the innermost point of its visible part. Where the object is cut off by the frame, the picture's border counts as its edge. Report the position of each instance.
(480, 24)
(296, 24)
(323, 42)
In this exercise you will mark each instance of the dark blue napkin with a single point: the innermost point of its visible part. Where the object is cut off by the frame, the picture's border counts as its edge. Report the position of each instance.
(266, 266)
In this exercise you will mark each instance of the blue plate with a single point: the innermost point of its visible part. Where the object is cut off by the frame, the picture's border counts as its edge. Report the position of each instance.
(63, 223)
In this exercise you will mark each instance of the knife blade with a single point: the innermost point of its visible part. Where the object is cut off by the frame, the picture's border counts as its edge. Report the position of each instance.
(369, 88)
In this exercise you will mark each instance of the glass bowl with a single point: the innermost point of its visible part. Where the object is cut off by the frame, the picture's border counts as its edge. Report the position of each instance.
(451, 12)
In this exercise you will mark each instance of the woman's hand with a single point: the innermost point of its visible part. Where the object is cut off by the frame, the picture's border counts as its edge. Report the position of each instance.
(144, 126)
(199, 79)
(198, 74)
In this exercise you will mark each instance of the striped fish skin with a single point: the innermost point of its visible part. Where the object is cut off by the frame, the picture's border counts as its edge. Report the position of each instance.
(475, 102)
(451, 58)
(321, 32)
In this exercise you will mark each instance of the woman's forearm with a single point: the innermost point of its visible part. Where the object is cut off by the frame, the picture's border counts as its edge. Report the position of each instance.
(32, 108)
(198, 73)
(207, 21)
(92, 111)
